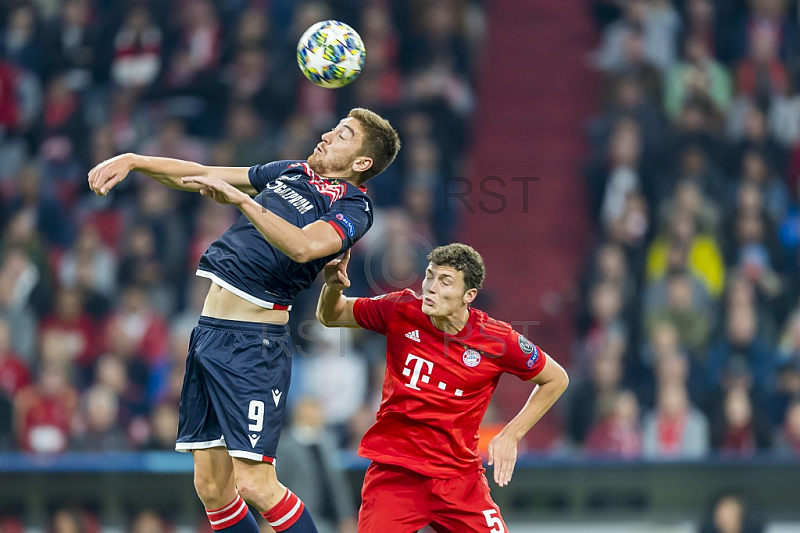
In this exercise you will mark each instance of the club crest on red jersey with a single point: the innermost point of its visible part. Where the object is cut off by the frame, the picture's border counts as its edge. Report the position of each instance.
(471, 357)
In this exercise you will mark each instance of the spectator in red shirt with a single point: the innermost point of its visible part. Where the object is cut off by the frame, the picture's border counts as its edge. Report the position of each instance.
(137, 49)
(73, 328)
(43, 412)
(619, 434)
(137, 326)
(739, 432)
(9, 109)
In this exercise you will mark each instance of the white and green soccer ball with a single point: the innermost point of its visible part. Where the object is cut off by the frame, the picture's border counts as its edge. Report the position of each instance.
(331, 54)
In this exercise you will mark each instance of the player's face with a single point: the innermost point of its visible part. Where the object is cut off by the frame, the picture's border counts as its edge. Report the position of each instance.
(335, 154)
(443, 292)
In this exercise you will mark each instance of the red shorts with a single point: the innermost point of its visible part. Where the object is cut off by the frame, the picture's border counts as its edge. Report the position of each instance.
(397, 500)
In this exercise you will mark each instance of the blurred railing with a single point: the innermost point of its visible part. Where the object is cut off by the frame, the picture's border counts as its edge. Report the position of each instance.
(543, 488)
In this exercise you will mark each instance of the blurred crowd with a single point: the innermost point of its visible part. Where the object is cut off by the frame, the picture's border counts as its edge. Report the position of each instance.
(690, 330)
(98, 294)
(689, 339)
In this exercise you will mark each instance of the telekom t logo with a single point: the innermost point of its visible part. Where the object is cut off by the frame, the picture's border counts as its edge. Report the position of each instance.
(415, 374)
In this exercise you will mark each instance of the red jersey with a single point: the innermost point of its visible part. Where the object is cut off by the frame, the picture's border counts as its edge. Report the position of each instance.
(45, 419)
(437, 386)
(14, 374)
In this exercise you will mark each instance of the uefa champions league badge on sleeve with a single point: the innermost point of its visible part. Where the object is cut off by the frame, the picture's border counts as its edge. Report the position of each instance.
(351, 230)
(472, 357)
(528, 348)
(534, 356)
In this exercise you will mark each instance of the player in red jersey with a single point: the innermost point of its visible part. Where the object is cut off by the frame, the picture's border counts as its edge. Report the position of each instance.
(444, 359)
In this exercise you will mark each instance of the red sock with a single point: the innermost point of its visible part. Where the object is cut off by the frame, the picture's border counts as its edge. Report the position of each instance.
(285, 513)
(228, 515)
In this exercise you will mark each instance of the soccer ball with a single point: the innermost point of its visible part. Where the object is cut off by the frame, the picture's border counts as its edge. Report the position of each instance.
(331, 54)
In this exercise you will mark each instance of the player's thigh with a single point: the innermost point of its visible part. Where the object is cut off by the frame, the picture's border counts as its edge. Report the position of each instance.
(248, 372)
(465, 505)
(392, 500)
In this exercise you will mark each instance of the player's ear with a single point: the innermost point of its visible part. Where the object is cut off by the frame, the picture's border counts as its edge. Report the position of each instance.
(470, 295)
(362, 163)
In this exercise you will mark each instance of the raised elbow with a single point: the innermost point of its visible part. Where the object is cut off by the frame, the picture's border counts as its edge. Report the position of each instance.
(563, 381)
(308, 251)
(303, 255)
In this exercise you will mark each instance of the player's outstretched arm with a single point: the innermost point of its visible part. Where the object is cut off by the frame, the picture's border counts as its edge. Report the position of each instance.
(109, 173)
(334, 309)
(551, 383)
(301, 245)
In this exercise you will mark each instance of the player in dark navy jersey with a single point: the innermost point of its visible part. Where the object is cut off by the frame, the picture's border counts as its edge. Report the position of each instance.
(296, 216)
(264, 275)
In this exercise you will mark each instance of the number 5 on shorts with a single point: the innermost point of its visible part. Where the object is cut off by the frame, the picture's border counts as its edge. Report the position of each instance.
(493, 521)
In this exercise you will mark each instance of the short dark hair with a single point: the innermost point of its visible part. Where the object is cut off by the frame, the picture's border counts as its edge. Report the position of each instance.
(381, 142)
(463, 258)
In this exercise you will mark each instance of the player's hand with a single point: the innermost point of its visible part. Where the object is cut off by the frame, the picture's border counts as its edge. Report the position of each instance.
(107, 174)
(217, 189)
(503, 455)
(335, 273)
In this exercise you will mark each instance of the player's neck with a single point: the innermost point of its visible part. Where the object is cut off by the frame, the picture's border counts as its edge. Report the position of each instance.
(451, 324)
(352, 180)
(339, 175)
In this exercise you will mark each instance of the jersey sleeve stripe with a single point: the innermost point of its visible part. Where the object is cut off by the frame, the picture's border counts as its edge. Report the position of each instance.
(337, 228)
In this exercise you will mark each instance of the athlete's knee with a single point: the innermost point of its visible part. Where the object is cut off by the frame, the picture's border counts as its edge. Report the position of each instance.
(263, 492)
(209, 489)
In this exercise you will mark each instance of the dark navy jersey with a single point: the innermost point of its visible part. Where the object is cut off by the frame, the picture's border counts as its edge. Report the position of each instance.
(243, 262)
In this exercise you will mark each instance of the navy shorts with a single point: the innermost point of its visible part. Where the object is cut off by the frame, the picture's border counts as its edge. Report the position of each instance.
(234, 391)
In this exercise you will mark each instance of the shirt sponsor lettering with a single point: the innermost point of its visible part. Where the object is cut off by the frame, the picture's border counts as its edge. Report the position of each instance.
(292, 197)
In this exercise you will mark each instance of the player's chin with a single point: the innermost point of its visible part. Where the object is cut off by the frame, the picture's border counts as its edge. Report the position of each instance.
(428, 309)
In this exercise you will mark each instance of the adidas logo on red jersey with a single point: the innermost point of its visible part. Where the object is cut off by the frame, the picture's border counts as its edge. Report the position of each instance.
(413, 335)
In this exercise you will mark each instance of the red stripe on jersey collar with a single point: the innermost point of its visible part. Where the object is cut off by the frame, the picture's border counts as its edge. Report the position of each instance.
(311, 173)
